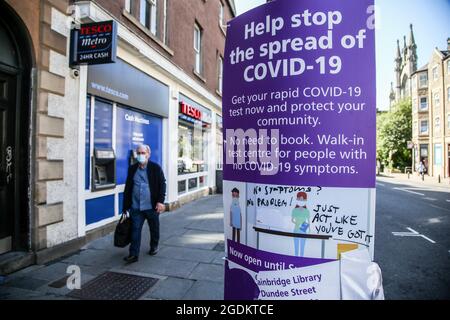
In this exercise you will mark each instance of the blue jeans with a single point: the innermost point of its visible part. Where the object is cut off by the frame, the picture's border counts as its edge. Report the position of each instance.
(137, 221)
(302, 242)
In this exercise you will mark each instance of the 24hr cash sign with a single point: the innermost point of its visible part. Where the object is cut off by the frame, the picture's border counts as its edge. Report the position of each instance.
(94, 43)
(299, 96)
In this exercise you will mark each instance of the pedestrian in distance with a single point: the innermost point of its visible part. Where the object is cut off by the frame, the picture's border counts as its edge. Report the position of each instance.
(144, 195)
(421, 169)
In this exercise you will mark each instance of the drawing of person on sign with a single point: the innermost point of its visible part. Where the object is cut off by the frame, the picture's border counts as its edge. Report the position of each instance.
(235, 215)
(300, 219)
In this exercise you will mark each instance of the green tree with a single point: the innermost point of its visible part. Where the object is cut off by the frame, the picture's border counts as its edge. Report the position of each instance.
(394, 129)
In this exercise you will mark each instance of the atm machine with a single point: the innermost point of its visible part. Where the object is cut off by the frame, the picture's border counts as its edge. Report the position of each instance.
(103, 169)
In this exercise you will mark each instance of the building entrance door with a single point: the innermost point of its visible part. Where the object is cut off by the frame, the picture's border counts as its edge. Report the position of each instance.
(7, 148)
(15, 84)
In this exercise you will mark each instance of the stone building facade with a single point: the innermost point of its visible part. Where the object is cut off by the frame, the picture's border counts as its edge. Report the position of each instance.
(431, 114)
(52, 115)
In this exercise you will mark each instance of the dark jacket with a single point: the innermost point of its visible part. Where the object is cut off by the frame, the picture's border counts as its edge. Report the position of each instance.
(156, 181)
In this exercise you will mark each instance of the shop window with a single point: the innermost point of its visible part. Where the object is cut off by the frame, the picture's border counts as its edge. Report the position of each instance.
(192, 147)
(423, 151)
(219, 140)
(134, 127)
(182, 186)
(198, 48)
(87, 145)
(202, 181)
(102, 124)
(147, 15)
(193, 183)
(423, 80)
(437, 154)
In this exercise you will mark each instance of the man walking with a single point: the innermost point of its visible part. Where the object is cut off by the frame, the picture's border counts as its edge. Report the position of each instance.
(145, 191)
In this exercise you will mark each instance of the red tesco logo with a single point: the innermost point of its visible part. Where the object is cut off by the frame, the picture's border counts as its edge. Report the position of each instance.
(100, 28)
(191, 111)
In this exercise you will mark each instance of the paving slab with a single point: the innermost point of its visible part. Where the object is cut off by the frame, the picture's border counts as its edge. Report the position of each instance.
(191, 242)
(170, 289)
(187, 254)
(207, 271)
(218, 236)
(162, 266)
(205, 290)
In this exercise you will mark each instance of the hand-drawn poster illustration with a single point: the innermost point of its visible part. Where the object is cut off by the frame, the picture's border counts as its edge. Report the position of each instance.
(300, 219)
(235, 215)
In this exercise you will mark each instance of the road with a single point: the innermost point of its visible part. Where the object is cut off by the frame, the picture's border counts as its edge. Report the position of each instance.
(413, 267)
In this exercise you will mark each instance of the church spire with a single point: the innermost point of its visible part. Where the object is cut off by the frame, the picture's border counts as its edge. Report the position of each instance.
(412, 50)
(412, 41)
(399, 55)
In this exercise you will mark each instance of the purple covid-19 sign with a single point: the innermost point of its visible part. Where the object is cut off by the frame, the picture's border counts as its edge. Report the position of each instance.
(299, 124)
(299, 94)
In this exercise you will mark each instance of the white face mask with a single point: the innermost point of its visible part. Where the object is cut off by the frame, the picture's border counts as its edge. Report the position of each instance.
(235, 200)
(301, 203)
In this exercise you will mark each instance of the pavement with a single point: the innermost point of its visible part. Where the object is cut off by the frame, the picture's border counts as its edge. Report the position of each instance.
(188, 266)
(412, 239)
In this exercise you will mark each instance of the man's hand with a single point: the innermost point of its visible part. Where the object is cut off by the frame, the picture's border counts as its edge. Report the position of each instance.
(160, 207)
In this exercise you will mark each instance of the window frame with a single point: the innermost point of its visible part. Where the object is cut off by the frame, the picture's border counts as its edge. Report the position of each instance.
(198, 66)
(148, 15)
(423, 83)
(128, 6)
(220, 74)
(421, 126)
(221, 14)
(437, 123)
(435, 73)
(436, 102)
(420, 103)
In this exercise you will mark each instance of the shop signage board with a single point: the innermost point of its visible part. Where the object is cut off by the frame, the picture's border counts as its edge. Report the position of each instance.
(299, 127)
(127, 85)
(93, 43)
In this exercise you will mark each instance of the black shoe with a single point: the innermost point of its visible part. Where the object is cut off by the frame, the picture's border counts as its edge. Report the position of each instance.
(131, 259)
(152, 252)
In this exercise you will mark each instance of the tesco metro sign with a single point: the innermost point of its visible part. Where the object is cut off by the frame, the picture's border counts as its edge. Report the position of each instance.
(93, 43)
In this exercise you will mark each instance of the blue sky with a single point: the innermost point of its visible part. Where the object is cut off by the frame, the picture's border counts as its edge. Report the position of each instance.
(431, 24)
